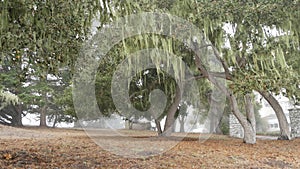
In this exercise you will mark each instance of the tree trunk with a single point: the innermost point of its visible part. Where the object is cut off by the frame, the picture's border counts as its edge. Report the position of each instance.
(250, 117)
(77, 124)
(250, 111)
(171, 113)
(127, 124)
(249, 132)
(174, 126)
(283, 123)
(218, 129)
(249, 135)
(43, 120)
(18, 117)
(181, 121)
(55, 121)
(157, 123)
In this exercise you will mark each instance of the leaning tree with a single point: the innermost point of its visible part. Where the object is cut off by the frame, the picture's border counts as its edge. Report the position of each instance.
(249, 39)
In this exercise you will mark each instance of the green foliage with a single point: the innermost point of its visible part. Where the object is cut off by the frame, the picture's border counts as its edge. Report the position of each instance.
(154, 79)
(46, 36)
(64, 106)
(142, 85)
(7, 98)
(258, 40)
(39, 38)
(50, 31)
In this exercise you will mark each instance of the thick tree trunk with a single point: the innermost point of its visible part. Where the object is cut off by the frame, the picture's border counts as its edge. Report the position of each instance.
(18, 118)
(249, 131)
(250, 111)
(283, 123)
(218, 129)
(43, 120)
(171, 113)
(250, 115)
(249, 135)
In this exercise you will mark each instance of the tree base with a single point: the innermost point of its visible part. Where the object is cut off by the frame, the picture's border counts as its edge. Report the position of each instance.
(284, 138)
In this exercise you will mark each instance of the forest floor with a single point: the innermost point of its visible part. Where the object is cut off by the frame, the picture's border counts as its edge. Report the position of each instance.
(32, 147)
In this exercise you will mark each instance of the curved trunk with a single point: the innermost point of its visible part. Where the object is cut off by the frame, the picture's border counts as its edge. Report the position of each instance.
(250, 117)
(285, 133)
(247, 124)
(249, 132)
(250, 111)
(171, 113)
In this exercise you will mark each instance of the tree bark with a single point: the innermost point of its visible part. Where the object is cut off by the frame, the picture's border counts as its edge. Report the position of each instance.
(171, 113)
(174, 126)
(250, 113)
(249, 131)
(43, 120)
(285, 133)
(55, 121)
(157, 123)
(18, 118)
(181, 121)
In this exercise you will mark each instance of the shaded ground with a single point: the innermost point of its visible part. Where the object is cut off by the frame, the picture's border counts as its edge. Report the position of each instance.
(65, 148)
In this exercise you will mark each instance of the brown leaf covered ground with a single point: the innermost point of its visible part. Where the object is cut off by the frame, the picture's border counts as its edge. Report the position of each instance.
(68, 148)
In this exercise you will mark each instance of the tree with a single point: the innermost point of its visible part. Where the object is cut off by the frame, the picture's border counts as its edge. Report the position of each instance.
(144, 83)
(254, 53)
(47, 35)
(12, 78)
(181, 115)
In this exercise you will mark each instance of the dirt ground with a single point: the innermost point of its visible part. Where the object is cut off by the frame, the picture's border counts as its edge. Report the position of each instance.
(69, 148)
